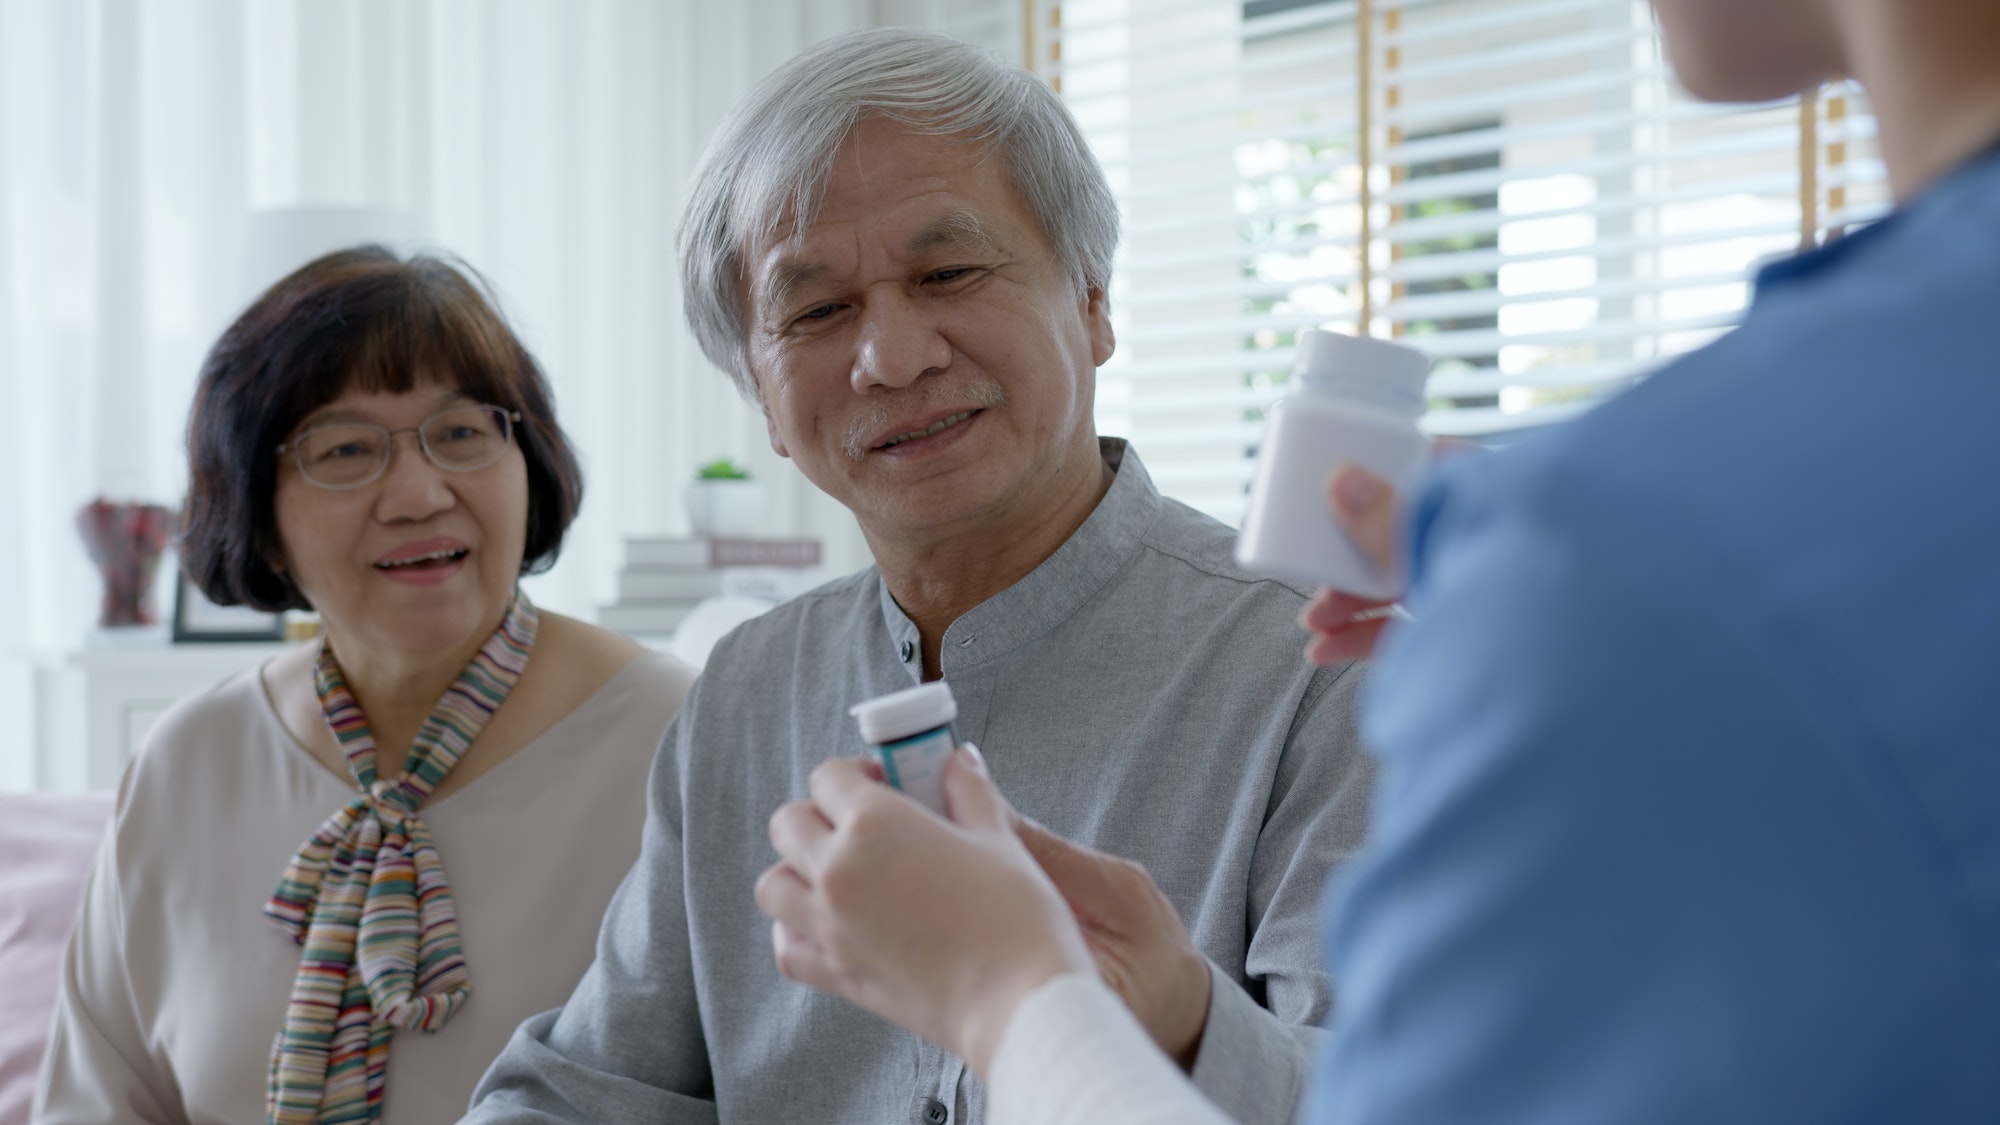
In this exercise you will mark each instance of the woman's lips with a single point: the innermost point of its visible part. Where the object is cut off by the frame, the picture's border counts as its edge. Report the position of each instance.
(418, 549)
(428, 572)
(425, 562)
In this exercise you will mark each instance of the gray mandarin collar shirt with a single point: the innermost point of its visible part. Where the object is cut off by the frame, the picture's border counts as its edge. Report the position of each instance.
(1136, 692)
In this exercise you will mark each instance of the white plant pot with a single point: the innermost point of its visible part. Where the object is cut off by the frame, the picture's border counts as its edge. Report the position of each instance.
(725, 508)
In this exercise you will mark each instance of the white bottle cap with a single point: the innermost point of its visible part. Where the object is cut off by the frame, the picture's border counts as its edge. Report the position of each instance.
(1380, 371)
(901, 714)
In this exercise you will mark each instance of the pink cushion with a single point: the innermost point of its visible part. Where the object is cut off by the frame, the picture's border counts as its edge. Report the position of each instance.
(47, 843)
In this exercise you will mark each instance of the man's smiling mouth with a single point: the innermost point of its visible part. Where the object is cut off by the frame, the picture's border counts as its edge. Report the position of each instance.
(938, 426)
(890, 421)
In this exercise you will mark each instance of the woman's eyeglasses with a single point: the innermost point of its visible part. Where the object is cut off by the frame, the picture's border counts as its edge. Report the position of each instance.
(351, 454)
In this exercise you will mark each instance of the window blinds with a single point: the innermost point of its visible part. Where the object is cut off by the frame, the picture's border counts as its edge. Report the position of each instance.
(1515, 186)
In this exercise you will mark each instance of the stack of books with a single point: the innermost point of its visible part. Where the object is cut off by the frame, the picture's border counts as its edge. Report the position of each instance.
(665, 578)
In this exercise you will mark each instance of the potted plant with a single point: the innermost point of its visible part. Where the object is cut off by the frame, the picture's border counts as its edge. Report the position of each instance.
(722, 500)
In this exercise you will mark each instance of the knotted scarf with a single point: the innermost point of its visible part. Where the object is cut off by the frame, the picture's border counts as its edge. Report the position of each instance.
(367, 898)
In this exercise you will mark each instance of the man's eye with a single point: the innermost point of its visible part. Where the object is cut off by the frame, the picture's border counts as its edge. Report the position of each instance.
(952, 274)
(820, 313)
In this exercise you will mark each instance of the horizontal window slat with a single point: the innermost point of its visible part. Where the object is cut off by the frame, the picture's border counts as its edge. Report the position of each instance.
(1459, 66)
(1488, 381)
(1857, 173)
(1194, 220)
(1442, 306)
(1487, 421)
(1152, 335)
(1153, 297)
(1230, 403)
(1774, 185)
(1276, 23)
(1076, 26)
(1174, 154)
(1225, 181)
(1218, 364)
(1189, 258)
(1451, 345)
(1237, 433)
(1425, 188)
(1418, 115)
(1430, 267)
(1332, 92)
(1421, 32)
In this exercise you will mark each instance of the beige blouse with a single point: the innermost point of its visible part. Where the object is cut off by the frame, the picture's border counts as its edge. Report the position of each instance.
(174, 983)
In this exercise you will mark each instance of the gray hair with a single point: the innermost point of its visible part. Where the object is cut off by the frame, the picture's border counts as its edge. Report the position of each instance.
(770, 161)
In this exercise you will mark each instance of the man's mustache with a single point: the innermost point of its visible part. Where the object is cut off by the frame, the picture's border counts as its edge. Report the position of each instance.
(922, 398)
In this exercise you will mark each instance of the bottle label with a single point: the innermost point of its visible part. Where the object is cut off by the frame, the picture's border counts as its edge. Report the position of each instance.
(916, 765)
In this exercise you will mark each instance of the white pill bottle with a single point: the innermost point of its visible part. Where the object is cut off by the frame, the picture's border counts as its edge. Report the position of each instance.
(912, 733)
(1352, 400)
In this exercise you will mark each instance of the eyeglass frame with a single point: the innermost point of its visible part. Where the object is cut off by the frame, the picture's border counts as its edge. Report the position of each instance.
(508, 419)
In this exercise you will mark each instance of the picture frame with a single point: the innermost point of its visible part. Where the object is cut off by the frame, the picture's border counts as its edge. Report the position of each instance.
(198, 620)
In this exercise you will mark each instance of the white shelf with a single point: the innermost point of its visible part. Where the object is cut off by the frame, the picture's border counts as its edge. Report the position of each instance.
(94, 707)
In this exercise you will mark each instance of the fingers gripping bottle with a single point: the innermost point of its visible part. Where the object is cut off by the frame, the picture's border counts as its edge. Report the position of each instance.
(911, 733)
(1352, 400)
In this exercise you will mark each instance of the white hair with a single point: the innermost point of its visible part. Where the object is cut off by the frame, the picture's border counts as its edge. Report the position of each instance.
(770, 161)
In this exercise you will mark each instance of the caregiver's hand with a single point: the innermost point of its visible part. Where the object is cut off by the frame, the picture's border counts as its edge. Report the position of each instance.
(939, 927)
(1143, 951)
(1345, 627)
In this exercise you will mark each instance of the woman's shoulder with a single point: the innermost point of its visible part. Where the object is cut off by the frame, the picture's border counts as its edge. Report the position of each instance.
(221, 752)
(606, 676)
(234, 712)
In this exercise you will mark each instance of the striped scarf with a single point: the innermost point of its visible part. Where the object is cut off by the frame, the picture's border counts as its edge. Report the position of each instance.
(367, 898)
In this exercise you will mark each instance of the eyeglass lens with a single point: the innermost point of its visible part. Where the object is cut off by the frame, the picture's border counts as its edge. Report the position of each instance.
(346, 454)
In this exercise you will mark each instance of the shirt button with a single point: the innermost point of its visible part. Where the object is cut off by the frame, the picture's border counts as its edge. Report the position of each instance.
(908, 651)
(935, 1113)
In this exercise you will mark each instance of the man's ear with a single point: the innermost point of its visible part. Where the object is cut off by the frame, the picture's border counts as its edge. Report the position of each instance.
(1097, 321)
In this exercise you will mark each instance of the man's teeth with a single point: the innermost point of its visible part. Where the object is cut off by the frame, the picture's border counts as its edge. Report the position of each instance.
(934, 428)
(434, 556)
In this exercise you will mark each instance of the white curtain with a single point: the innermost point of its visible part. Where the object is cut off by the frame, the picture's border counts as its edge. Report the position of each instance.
(547, 142)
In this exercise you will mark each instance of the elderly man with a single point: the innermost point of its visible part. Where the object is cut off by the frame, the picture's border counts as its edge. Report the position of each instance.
(899, 246)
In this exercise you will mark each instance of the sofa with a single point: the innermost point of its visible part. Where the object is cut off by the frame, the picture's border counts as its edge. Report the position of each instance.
(47, 844)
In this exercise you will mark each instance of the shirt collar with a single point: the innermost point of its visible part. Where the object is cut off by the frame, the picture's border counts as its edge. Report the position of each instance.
(1052, 592)
(1977, 176)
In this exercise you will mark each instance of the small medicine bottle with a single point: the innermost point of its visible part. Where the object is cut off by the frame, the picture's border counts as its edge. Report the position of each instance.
(911, 733)
(1352, 400)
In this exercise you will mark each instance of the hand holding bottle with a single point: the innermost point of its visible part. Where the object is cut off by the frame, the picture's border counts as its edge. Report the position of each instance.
(1369, 511)
(1346, 626)
(940, 924)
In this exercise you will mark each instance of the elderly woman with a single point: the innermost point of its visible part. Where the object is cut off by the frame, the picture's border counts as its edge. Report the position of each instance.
(336, 884)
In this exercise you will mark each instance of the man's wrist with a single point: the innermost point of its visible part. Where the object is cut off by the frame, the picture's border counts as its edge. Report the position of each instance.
(1185, 1046)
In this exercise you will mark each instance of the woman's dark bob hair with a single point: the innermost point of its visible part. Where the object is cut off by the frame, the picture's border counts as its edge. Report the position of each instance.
(359, 319)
